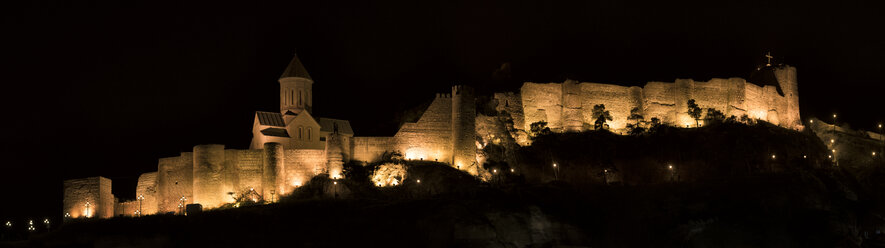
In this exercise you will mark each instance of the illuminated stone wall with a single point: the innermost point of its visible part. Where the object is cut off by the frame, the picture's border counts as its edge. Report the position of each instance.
(174, 180)
(371, 148)
(464, 130)
(568, 106)
(211, 179)
(430, 138)
(126, 208)
(301, 165)
(96, 191)
(147, 187)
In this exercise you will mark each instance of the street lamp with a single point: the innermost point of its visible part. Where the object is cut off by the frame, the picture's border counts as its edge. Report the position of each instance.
(31, 225)
(46, 221)
(140, 200)
(555, 172)
(87, 209)
(834, 124)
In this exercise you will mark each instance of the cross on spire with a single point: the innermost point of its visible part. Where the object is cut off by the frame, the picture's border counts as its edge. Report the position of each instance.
(768, 56)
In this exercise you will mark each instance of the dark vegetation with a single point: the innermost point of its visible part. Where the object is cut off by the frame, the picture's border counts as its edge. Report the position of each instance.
(726, 191)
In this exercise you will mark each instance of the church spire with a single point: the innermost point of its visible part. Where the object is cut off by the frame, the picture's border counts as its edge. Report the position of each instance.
(295, 69)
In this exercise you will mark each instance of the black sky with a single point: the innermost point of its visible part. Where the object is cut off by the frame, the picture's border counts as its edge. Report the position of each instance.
(105, 89)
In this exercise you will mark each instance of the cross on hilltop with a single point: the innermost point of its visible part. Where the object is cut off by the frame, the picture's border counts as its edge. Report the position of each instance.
(768, 56)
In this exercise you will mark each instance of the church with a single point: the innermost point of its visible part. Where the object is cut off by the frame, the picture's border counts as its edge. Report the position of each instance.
(288, 148)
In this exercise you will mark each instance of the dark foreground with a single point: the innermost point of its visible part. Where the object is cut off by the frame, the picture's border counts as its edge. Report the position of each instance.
(801, 209)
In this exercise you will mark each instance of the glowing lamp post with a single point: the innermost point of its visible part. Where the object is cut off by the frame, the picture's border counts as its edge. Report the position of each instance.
(31, 225)
(555, 171)
(87, 214)
(834, 124)
(140, 200)
(9, 224)
(672, 172)
(46, 222)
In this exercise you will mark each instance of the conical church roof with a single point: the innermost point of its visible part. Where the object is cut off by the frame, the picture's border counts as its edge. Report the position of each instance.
(295, 69)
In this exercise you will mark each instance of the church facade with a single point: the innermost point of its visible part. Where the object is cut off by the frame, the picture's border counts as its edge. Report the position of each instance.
(291, 146)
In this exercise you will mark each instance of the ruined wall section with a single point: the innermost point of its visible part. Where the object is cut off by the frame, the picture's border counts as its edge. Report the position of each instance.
(147, 187)
(96, 191)
(509, 105)
(542, 102)
(174, 180)
(430, 138)
(127, 208)
(557, 103)
(618, 100)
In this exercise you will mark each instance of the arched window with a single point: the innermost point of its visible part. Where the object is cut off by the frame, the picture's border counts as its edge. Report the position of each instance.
(300, 132)
(309, 130)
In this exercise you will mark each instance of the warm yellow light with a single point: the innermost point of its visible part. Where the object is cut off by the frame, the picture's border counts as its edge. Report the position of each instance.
(670, 167)
(419, 180)
(803, 156)
(874, 153)
(772, 156)
(811, 121)
(832, 141)
(495, 171)
(67, 215)
(8, 223)
(880, 125)
(512, 170)
(554, 164)
(834, 150)
(336, 183)
(605, 171)
(830, 156)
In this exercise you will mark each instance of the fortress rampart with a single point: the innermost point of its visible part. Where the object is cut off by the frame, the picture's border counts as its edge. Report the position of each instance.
(568, 106)
(291, 147)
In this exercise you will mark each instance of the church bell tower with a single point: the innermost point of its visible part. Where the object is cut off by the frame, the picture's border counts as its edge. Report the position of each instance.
(296, 88)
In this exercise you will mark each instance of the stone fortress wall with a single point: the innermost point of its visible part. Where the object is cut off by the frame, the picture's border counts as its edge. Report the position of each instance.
(568, 106)
(445, 132)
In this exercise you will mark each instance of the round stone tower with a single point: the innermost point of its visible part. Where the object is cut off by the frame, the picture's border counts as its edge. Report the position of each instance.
(786, 78)
(296, 88)
(464, 129)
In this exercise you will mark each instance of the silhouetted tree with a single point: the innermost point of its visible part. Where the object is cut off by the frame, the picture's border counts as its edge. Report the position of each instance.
(714, 115)
(636, 122)
(538, 129)
(694, 111)
(601, 116)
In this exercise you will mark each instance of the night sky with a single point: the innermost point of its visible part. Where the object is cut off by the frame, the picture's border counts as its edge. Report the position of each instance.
(105, 89)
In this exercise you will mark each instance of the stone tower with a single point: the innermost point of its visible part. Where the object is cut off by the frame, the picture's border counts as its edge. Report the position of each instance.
(464, 129)
(296, 88)
(786, 78)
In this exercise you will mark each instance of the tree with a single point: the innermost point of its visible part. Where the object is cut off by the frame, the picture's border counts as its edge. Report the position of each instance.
(538, 129)
(714, 115)
(636, 122)
(694, 111)
(601, 116)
